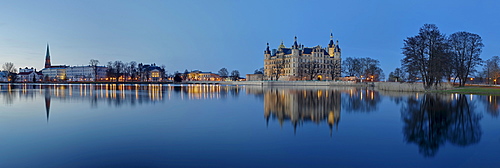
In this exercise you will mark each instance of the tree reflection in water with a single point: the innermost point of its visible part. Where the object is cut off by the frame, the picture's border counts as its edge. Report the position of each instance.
(435, 119)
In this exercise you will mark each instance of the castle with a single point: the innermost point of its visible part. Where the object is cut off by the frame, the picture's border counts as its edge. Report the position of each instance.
(303, 63)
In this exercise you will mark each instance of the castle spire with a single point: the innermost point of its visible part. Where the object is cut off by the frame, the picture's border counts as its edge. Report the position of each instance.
(281, 45)
(295, 45)
(267, 50)
(330, 45)
(47, 58)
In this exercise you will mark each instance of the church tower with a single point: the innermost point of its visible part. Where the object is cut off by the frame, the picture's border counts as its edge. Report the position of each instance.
(47, 58)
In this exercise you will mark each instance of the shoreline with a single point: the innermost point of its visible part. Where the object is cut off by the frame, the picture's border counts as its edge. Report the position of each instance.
(384, 86)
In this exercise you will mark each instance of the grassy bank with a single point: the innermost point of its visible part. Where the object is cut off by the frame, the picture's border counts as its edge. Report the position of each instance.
(482, 90)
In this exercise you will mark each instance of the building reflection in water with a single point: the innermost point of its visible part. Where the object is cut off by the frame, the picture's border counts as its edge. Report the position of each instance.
(361, 100)
(431, 120)
(300, 105)
(113, 94)
(492, 104)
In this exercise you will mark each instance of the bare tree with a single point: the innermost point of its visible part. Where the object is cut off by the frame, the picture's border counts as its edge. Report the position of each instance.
(492, 69)
(427, 54)
(259, 71)
(223, 72)
(9, 67)
(279, 67)
(466, 48)
(350, 66)
(335, 69)
(398, 75)
(132, 68)
(11, 71)
(311, 69)
(235, 75)
(94, 64)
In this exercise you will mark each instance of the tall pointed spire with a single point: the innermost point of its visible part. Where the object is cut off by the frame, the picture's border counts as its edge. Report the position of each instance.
(295, 45)
(267, 50)
(330, 45)
(47, 58)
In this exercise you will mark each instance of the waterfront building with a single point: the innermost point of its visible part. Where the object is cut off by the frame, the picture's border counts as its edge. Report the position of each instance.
(55, 73)
(255, 77)
(198, 75)
(151, 72)
(71, 73)
(29, 75)
(303, 63)
(4, 76)
(86, 73)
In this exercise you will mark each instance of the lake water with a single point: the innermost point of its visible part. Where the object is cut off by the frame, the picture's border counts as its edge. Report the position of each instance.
(115, 125)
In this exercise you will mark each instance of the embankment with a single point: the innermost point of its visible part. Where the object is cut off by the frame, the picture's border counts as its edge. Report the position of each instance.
(409, 87)
(296, 83)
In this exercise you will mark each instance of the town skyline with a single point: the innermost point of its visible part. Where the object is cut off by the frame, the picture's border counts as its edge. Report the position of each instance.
(209, 36)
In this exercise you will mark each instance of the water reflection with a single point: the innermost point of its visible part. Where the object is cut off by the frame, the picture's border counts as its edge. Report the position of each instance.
(361, 100)
(492, 104)
(431, 120)
(112, 94)
(299, 106)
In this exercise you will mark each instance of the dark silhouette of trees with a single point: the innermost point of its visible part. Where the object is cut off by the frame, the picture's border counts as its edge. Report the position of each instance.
(259, 71)
(432, 56)
(364, 68)
(427, 54)
(351, 65)
(93, 63)
(177, 77)
(11, 71)
(466, 48)
(398, 75)
(491, 70)
(235, 75)
(223, 72)
(278, 70)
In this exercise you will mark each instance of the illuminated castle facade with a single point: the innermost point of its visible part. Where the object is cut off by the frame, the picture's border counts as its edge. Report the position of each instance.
(303, 63)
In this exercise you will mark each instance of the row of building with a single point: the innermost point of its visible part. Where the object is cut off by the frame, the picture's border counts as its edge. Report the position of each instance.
(284, 63)
(79, 73)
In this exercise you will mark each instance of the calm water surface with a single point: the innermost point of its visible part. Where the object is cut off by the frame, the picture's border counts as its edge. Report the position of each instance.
(243, 126)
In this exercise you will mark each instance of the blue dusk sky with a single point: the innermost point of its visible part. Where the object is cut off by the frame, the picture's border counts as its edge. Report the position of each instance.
(208, 35)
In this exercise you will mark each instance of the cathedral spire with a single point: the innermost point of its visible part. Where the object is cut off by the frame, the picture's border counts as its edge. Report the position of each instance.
(47, 58)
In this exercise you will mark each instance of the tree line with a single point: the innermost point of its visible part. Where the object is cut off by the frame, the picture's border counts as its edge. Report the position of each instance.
(431, 56)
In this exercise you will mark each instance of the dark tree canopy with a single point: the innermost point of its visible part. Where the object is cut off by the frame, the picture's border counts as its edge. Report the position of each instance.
(363, 67)
(223, 72)
(466, 48)
(427, 54)
(235, 74)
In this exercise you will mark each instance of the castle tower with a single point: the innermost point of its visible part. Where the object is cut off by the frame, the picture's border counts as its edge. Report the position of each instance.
(267, 52)
(331, 46)
(47, 58)
(295, 47)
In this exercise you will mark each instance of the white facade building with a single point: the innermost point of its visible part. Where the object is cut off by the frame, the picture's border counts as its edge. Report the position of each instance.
(86, 73)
